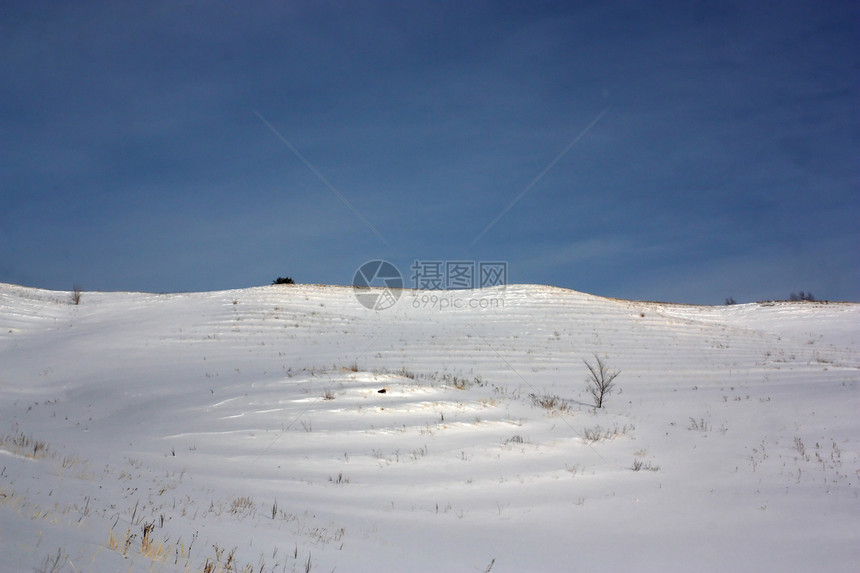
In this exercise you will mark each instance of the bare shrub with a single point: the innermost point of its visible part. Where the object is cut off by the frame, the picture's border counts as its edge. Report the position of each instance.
(601, 380)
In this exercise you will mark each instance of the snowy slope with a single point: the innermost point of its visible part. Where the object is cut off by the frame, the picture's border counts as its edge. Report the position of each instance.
(245, 430)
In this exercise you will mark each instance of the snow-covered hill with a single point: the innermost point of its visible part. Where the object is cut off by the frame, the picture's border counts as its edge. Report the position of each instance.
(246, 430)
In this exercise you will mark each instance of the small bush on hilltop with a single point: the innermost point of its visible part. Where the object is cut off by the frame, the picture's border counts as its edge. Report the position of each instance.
(802, 296)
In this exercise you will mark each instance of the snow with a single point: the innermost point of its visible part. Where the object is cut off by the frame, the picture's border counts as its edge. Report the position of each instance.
(250, 423)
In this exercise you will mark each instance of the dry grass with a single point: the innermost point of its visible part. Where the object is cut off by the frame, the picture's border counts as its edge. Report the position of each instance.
(242, 504)
(156, 551)
(25, 445)
(598, 433)
(551, 402)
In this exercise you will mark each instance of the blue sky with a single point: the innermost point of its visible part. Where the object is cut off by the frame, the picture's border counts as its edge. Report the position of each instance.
(712, 147)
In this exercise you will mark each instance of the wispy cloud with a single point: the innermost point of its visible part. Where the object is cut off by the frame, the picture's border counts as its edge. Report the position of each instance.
(320, 176)
(539, 176)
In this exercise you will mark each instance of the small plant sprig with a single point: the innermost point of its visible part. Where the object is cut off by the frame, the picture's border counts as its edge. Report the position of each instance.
(639, 465)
